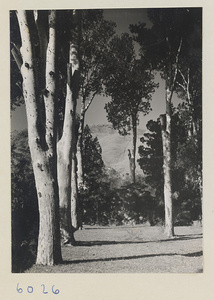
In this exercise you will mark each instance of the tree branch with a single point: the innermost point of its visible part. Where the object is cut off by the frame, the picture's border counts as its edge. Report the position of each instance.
(50, 77)
(186, 87)
(27, 71)
(94, 69)
(183, 77)
(17, 57)
(90, 101)
(176, 63)
(19, 86)
(182, 86)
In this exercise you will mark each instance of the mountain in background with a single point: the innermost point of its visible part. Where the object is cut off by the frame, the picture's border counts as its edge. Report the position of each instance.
(115, 147)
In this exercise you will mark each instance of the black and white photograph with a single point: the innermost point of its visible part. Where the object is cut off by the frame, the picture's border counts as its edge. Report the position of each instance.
(106, 140)
(106, 156)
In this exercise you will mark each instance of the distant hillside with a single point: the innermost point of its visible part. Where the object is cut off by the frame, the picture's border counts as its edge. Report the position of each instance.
(115, 147)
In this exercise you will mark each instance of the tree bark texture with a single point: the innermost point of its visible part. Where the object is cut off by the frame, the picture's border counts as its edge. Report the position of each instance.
(166, 137)
(74, 193)
(74, 187)
(42, 148)
(166, 141)
(66, 146)
(80, 176)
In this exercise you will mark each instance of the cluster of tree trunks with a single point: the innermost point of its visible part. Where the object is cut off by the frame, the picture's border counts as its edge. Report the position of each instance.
(57, 161)
(42, 144)
(54, 164)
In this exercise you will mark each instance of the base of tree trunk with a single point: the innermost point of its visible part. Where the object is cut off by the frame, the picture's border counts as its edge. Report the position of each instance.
(169, 233)
(70, 242)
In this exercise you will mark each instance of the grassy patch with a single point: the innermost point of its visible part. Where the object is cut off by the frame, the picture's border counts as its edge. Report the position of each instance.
(126, 249)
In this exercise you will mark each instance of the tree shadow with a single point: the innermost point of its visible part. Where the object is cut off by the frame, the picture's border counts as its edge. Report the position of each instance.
(181, 238)
(112, 227)
(67, 262)
(102, 243)
(189, 234)
(194, 254)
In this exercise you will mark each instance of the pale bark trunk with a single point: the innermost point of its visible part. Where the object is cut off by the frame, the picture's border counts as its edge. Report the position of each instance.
(49, 251)
(79, 165)
(74, 187)
(80, 175)
(43, 152)
(74, 195)
(64, 171)
(65, 148)
(166, 140)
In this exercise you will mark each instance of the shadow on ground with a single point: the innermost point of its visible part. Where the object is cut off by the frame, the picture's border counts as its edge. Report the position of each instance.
(101, 243)
(195, 254)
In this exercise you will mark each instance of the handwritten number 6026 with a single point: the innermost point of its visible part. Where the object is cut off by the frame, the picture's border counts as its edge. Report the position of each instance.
(30, 289)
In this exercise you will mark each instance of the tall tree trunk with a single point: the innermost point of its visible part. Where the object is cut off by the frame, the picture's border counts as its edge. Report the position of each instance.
(65, 148)
(49, 249)
(171, 76)
(74, 195)
(132, 153)
(80, 175)
(74, 188)
(42, 148)
(166, 140)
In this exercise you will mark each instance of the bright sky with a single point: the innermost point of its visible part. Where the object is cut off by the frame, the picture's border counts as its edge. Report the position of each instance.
(96, 113)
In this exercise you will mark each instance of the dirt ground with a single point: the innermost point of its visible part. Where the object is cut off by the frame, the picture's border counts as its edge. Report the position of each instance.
(131, 249)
